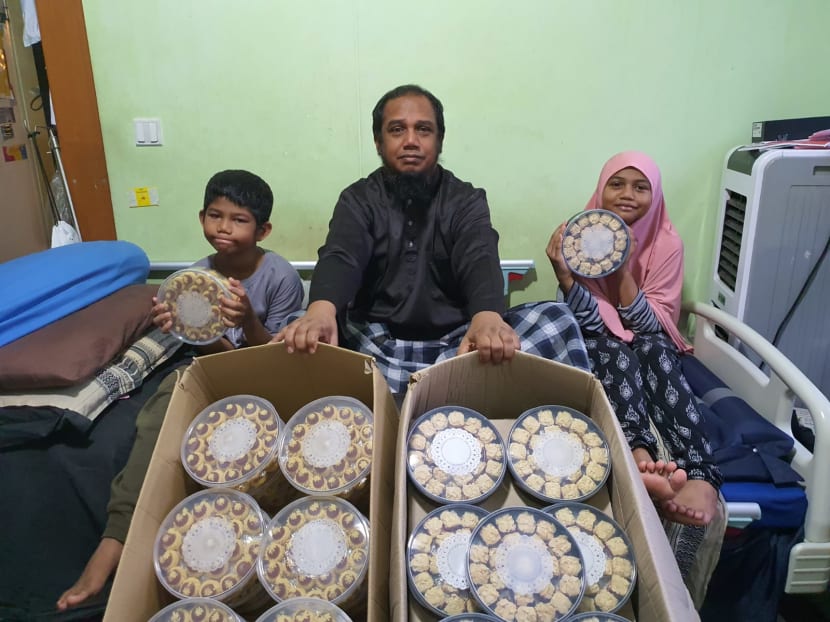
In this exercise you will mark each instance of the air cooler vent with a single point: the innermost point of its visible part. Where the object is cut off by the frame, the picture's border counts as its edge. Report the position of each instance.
(730, 241)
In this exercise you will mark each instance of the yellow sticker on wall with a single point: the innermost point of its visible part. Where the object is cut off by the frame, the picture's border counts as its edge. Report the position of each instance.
(144, 197)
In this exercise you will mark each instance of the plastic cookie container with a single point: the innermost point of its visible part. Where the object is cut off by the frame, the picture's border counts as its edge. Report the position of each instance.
(524, 565)
(455, 455)
(316, 547)
(196, 610)
(596, 243)
(556, 453)
(470, 617)
(436, 559)
(233, 443)
(192, 296)
(610, 571)
(326, 448)
(597, 617)
(304, 610)
(207, 546)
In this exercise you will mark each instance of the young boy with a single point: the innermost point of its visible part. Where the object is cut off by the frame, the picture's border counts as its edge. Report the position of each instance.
(266, 289)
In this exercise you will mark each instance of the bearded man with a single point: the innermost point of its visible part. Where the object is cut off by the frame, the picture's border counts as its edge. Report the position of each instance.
(410, 271)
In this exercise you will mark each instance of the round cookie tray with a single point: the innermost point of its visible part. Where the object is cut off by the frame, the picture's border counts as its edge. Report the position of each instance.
(455, 455)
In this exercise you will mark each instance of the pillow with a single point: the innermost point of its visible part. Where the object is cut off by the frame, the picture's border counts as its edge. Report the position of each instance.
(51, 284)
(122, 375)
(71, 349)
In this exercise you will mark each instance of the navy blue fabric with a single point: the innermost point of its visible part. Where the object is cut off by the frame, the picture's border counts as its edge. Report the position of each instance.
(46, 286)
(747, 447)
(782, 507)
(748, 582)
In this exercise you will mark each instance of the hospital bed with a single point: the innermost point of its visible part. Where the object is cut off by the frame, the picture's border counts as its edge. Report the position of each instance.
(773, 390)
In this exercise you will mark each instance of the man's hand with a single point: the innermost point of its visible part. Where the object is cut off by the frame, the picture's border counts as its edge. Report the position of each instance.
(161, 315)
(491, 336)
(318, 325)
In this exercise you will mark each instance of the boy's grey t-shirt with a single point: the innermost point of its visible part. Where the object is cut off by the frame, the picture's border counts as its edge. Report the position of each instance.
(275, 291)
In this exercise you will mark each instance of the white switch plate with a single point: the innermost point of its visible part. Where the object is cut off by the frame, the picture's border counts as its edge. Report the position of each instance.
(148, 132)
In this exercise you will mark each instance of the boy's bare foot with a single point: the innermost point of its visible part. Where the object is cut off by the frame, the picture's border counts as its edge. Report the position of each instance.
(98, 569)
(662, 479)
(695, 504)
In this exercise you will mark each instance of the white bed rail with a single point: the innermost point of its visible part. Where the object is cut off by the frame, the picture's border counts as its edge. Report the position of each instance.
(773, 397)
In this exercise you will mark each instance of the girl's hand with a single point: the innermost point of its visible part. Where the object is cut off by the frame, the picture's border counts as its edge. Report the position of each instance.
(560, 267)
(162, 317)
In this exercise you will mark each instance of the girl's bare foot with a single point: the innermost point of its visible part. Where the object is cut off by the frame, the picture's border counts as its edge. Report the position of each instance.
(695, 504)
(98, 569)
(663, 480)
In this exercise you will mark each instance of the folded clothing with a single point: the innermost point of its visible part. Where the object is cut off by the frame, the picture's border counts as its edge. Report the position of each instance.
(51, 284)
(746, 447)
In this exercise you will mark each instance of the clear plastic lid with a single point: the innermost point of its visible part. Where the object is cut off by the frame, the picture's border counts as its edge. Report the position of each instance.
(610, 570)
(315, 547)
(436, 557)
(596, 616)
(231, 441)
(193, 298)
(455, 454)
(556, 453)
(471, 617)
(304, 610)
(596, 243)
(523, 564)
(207, 545)
(326, 448)
(196, 610)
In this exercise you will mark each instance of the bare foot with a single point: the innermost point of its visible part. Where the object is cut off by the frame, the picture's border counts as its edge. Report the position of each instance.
(662, 479)
(695, 504)
(98, 569)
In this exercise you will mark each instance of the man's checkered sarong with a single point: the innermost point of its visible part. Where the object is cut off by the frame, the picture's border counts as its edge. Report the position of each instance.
(546, 329)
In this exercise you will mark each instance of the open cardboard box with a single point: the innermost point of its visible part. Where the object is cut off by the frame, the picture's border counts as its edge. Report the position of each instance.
(289, 381)
(502, 393)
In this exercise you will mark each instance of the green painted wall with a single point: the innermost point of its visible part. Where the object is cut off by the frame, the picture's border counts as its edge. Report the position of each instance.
(537, 95)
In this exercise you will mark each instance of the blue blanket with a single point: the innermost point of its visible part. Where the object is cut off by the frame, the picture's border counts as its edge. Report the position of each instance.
(46, 286)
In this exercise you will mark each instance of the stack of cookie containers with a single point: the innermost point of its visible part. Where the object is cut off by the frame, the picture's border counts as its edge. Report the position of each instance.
(555, 454)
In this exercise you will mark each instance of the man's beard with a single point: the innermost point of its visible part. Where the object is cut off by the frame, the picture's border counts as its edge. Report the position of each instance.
(415, 187)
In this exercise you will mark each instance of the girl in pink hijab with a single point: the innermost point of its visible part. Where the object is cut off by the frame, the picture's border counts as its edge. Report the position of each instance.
(629, 321)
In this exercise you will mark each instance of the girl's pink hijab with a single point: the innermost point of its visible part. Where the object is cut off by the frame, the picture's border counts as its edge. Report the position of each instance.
(656, 263)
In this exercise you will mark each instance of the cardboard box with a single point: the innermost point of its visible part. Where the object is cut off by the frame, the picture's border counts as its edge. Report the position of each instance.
(502, 393)
(289, 381)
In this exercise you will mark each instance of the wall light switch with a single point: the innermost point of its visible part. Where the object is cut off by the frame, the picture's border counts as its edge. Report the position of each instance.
(147, 132)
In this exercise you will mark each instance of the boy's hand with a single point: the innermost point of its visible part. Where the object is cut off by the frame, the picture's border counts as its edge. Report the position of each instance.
(318, 325)
(493, 338)
(162, 317)
(236, 311)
